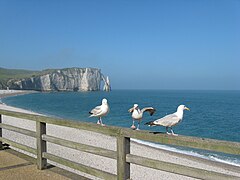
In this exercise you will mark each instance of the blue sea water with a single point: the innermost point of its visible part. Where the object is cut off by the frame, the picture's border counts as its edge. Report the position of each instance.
(213, 114)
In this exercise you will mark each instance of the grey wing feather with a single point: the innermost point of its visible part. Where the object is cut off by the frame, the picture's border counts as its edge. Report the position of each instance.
(151, 110)
(169, 120)
(96, 110)
(131, 110)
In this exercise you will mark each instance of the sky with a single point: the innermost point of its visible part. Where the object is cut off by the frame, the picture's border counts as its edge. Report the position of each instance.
(139, 44)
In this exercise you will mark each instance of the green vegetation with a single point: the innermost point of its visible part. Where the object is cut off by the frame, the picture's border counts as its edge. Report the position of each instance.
(6, 74)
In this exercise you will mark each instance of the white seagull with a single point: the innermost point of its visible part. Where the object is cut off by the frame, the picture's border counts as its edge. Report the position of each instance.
(170, 120)
(100, 111)
(137, 114)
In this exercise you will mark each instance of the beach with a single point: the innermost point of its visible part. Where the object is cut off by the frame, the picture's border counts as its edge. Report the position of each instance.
(107, 142)
(6, 93)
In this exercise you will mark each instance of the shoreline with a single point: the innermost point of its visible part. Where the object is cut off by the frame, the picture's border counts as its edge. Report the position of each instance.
(100, 140)
(195, 158)
(8, 93)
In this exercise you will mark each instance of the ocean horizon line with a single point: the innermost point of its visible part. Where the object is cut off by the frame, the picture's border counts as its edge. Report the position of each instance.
(176, 89)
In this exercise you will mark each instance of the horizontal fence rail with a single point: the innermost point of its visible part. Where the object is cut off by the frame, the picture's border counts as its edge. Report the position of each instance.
(176, 168)
(81, 147)
(19, 146)
(122, 155)
(80, 167)
(18, 130)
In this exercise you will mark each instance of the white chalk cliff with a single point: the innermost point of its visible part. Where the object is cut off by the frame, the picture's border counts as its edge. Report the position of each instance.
(107, 86)
(70, 79)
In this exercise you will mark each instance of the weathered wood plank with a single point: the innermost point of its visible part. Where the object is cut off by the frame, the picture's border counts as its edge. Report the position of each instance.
(18, 130)
(178, 169)
(185, 141)
(1, 145)
(108, 130)
(18, 114)
(192, 142)
(19, 146)
(41, 145)
(123, 148)
(82, 147)
(80, 167)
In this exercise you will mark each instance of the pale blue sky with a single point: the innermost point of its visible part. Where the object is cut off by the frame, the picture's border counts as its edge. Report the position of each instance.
(151, 44)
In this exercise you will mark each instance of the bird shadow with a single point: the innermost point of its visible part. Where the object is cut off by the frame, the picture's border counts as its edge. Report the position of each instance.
(156, 132)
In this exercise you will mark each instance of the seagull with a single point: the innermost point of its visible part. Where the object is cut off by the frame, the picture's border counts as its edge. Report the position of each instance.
(170, 119)
(137, 114)
(100, 111)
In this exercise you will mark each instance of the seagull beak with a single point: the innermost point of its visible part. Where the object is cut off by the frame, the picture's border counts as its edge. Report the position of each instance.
(187, 108)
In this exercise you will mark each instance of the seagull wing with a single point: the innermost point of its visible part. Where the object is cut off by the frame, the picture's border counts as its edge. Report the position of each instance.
(151, 110)
(95, 111)
(131, 110)
(168, 121)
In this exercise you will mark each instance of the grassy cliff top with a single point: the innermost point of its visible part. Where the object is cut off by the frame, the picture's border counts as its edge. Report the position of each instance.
(6, 74)
(16, 73)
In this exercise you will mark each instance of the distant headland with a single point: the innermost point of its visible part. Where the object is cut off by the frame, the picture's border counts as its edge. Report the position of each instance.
(67, 79)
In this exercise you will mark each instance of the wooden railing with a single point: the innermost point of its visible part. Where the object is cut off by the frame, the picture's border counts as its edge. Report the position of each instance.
(122, 155)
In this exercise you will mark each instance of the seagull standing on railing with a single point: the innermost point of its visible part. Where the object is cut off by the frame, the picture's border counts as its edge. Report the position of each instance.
(100, 111)
(170, 120)
(137, 114)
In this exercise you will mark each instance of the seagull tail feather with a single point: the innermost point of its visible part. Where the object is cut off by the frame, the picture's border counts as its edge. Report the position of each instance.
(150, 123)
(91, 114)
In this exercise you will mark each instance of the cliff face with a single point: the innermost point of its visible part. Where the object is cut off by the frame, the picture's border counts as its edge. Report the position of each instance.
(71, 79)
(107, 86)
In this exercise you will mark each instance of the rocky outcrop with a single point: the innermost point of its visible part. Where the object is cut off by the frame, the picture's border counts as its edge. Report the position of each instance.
(71, 79)
(107, 86)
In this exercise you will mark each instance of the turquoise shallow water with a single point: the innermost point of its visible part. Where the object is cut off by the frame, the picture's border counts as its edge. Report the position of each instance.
(214, 114)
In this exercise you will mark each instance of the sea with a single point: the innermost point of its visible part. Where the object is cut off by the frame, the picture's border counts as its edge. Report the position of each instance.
(213, 114)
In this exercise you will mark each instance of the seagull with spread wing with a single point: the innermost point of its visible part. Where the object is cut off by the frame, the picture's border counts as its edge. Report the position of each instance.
(100, 111)
(170, 120)
(137, 114)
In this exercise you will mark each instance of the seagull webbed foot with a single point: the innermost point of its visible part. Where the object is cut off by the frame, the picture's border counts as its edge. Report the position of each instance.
(133, 127)
(174, 134)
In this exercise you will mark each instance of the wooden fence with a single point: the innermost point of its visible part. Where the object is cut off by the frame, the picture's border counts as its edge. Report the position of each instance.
(122, 155)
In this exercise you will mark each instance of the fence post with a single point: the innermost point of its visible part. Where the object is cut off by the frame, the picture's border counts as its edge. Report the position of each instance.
(123, 148)
(1, 145)
(41, 145)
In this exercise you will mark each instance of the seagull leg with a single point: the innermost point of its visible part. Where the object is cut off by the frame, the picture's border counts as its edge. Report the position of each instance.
(167, 131)
(101, 122)
(173, 133)
(138, 125)
(98, 122)
(133, 126)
